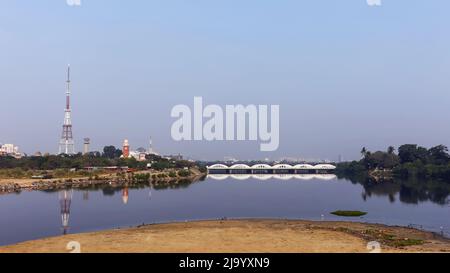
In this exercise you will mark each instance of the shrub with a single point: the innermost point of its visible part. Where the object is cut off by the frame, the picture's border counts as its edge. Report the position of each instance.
(141, 177)
(349, 213)
(184, 173)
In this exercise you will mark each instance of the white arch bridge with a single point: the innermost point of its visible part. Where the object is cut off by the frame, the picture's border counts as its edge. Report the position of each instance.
(268, 169)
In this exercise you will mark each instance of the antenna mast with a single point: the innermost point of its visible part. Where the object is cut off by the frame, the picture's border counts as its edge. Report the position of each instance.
(66, 143)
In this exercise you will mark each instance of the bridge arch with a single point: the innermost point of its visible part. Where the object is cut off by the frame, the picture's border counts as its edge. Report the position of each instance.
(217, 166)
(304, 176)
(324, 167)
(282, 166)
(325, 176)
(262, 176)
(241, 177)
(261, 166)
(240, 169)
(218, 176)
(304, 167)
(283, 176)
(240, 166)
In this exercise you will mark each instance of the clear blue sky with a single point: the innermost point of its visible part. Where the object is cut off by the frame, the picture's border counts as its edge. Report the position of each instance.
(345, 75)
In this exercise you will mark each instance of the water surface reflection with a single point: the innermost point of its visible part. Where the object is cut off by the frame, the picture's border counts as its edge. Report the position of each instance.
(32, 215)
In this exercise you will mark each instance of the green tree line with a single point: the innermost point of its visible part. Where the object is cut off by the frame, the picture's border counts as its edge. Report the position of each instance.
(109, 157)
(410, 160)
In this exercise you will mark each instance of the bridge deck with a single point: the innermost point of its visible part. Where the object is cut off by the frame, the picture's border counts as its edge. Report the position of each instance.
(267, 169)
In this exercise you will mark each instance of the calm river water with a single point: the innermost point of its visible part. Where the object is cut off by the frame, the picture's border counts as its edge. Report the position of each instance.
(38, 214)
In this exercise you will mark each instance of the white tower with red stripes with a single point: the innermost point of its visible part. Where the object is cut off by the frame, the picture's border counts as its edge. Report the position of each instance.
(66, 144)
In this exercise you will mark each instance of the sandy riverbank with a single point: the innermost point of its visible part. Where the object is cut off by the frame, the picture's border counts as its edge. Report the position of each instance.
(243, 236)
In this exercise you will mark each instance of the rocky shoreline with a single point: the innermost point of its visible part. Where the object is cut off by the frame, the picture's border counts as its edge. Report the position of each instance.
(161, 178)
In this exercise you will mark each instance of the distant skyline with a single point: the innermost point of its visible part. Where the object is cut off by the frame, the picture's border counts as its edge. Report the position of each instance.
(345, 74)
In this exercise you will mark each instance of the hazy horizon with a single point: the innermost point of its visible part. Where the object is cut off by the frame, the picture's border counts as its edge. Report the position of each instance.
(345, 74)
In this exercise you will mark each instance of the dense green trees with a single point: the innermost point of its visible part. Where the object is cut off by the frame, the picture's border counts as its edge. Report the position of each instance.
(411, 161)
(380, 160)
(111, 152)
(438, 155)
(52, 162)
(411, 152)
(162, 164)
(109, 157)
(391, 150)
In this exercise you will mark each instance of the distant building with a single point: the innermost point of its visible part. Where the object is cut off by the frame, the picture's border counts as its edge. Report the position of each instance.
(126, 149)
(139, 156)
(87, 142)
(141, 150)
(230, 159)
(10, 150)
(142, 157)
(127, 153)
(174, 157)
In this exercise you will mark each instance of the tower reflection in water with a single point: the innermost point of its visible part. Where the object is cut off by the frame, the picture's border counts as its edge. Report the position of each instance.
(86, 195)
(65, 200)
(125, 195)
(149, 190)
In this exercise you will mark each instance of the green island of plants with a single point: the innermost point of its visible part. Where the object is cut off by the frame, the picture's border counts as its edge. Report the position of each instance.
(349, 213)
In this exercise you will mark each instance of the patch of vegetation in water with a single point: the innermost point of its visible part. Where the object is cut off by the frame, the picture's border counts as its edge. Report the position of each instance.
(349, 213)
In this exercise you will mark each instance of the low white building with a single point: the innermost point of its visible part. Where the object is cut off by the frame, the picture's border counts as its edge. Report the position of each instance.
(139, 156)
(10, 149)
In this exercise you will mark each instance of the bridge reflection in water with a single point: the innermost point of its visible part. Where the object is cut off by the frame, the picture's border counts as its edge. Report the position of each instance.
(265, 169)
(272, 176)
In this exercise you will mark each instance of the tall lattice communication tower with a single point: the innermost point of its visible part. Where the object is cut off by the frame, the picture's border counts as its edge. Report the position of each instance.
(66, 144)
